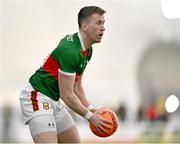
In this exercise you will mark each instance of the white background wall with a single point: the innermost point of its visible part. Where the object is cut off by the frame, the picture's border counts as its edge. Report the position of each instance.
(33, 28)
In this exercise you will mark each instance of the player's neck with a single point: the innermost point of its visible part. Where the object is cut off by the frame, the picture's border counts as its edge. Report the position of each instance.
(85, 39)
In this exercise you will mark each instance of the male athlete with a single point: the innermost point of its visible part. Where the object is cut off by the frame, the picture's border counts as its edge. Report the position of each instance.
(61, 77)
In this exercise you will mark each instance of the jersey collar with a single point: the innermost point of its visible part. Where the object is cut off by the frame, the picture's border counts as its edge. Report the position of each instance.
(81, 41)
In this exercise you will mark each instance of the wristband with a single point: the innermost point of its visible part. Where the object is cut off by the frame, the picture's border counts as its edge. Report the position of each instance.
(90, 107)
(88, 115)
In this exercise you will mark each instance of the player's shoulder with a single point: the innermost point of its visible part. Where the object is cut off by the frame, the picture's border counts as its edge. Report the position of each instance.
(70, 40)
(69, 44)
(68, 47)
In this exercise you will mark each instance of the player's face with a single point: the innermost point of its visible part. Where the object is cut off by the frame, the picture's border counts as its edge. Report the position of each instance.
(95, 28)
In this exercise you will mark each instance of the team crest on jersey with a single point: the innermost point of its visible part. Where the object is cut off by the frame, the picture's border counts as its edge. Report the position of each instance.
(70, 38)
(45, 105)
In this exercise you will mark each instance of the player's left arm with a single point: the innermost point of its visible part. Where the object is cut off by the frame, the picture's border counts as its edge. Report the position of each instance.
(79, 91)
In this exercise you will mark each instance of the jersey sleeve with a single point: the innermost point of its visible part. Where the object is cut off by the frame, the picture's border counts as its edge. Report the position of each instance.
(68, 63)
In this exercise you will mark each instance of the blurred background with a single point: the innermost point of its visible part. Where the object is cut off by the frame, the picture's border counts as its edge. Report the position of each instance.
(135, 70)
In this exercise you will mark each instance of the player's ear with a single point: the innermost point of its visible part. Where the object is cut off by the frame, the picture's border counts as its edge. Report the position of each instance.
(84, 26)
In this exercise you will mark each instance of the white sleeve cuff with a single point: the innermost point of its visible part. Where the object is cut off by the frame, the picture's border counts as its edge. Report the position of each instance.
(66, 73)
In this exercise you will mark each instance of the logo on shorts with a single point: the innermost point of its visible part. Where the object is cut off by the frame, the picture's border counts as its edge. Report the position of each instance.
(51, 124)
(45, 105)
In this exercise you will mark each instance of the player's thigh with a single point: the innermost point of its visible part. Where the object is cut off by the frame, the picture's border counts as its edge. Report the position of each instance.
(43, 129)
(66, 128)
(46, 137)
(70, 135)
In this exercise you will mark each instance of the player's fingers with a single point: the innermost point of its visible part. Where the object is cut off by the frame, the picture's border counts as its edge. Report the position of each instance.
(106, 126)
(102, 129)
(107, 121)
(99, 129)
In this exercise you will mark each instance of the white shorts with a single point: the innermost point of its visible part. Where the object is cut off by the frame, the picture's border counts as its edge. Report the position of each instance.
(42, 113)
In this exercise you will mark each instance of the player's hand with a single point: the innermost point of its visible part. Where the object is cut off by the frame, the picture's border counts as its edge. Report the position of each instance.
(100, 122)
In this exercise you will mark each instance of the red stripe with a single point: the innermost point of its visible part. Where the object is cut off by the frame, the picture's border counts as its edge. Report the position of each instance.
(51, 67)
(34, 100)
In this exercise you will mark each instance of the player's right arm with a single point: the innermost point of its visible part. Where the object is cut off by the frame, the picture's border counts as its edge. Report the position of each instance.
(69, 61)
(66, 84)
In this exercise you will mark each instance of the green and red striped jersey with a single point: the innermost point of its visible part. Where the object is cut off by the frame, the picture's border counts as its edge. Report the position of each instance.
(70, 58)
